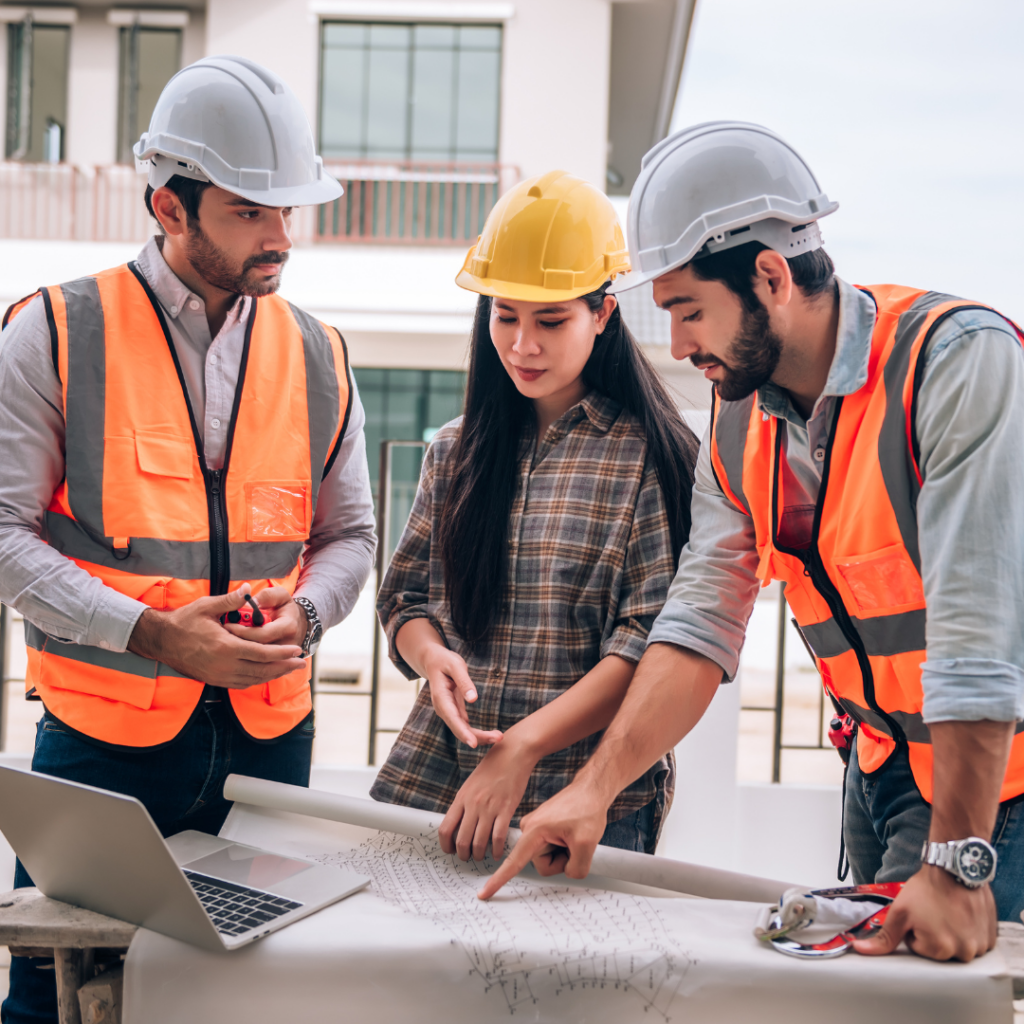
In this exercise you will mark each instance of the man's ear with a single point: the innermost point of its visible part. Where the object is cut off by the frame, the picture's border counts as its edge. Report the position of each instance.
(168, 211)
(773, 280)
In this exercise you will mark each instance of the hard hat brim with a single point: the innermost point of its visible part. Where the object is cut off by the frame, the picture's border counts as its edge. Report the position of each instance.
(313, 193)
(520, 292)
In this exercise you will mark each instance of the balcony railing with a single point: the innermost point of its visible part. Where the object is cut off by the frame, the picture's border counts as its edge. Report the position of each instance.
(395, 203)
(412, 203)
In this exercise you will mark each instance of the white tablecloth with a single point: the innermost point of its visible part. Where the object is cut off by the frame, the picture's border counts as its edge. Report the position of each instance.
(418, 946)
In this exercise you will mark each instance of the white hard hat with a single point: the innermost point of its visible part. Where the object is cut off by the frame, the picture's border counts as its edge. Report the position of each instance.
(718, 185)
(230, 121)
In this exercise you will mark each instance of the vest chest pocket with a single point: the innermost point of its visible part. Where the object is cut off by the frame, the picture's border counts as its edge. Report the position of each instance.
(882, 580)
(160, 455)
(278, 510)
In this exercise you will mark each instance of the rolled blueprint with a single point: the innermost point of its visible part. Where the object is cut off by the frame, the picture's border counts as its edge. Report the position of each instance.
(623, 865)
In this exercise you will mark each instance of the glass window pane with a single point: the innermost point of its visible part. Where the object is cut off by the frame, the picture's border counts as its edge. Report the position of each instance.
(49, 91)
(390, 36)
(480, 37)
(433, 120)
(158, 60)
(435, 36)
(405, 380)
(341, 33)
(18, 92)
(388, 106)
(477, 125)
(342, 103)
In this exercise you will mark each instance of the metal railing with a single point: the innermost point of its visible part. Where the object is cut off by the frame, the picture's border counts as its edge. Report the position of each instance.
(412, 203)
(64, 202)
(398, 202)
(777, 708)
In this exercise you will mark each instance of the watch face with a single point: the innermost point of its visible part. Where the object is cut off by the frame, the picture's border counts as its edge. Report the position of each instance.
(975, 862)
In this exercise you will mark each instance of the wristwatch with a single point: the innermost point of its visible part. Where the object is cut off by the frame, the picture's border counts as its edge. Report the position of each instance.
(971, 861)
(314, 628)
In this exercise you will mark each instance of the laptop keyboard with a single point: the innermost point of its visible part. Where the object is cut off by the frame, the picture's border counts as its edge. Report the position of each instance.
(236, 909)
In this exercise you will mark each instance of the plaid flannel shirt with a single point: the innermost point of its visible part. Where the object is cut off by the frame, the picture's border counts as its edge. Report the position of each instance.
(590, 562)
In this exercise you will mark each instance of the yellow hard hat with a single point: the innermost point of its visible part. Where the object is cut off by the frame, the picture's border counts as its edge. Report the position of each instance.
(548, 239)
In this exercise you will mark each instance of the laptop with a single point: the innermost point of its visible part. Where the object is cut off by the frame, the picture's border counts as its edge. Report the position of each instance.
(102, 851)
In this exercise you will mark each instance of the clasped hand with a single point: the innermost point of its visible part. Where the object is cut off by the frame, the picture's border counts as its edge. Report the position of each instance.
(193, 641)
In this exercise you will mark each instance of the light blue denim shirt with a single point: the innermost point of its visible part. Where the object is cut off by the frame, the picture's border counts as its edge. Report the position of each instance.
(970, 514)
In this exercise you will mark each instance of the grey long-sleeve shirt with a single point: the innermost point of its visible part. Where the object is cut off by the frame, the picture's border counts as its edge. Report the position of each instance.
(970, 514)
(63, 599)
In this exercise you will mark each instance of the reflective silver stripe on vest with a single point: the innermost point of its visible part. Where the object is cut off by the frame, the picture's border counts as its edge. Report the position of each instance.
(730, 434)
(883, 635)
(85, 412)
(130, 664)
(894, 453)
(183, 560)
(322, 394)
(911, 722)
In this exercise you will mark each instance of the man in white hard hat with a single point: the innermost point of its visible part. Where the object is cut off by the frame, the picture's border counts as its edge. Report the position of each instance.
(864, 450)
(179, 446)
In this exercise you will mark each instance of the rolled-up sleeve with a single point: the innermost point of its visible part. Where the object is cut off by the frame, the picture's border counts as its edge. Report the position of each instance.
(713, 593)
(405, 592)
(970, 425)
(646, 573)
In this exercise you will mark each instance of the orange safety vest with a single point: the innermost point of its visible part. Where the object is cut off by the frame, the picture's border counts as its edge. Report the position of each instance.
(139, 509)
(856, 591)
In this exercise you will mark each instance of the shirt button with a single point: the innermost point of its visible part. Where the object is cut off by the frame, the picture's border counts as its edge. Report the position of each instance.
(213, 360)
(193, 304)
(819, 454)
(174, 310)
(215, 424)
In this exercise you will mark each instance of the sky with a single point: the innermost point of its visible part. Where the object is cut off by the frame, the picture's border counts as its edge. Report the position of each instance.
(909, 113)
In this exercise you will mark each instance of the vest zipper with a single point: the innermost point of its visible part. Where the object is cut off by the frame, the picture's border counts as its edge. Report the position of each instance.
(216, 507)
(220, 560)
(814, 567)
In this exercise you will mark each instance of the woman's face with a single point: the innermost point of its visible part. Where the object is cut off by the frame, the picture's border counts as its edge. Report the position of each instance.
(545, 345)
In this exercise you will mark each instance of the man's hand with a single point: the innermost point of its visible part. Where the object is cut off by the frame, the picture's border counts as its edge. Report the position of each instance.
(486, 802)
(561, 835)
(285, 621)
(192, 640)
(450, 689)
(939, 918)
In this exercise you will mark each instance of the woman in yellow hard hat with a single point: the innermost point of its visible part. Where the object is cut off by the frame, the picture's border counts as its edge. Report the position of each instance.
(544, 534)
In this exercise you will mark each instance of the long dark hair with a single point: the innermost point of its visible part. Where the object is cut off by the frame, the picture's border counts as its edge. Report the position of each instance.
(473, 527)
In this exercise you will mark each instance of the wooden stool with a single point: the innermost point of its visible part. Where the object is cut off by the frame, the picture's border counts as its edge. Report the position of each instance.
(32, 925)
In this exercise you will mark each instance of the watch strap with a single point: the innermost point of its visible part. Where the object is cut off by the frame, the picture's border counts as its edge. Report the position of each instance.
(314, 628)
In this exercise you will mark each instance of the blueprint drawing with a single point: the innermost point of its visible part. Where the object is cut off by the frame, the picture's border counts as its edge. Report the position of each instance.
(534, 941)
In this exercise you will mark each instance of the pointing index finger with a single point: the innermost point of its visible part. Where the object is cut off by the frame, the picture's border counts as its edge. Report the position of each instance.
(521, 855)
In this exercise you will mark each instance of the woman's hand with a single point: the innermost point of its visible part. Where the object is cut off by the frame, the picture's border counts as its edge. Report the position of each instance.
(487, 802)
(450, 689)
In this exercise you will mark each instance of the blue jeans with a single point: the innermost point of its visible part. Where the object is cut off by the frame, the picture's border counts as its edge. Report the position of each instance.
(633, 832)
(180, 784)
(886, 821)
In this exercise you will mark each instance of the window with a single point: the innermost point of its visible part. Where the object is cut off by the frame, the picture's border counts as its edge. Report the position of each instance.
(410, 92)
(150, 57)
(405, 405)
(37, 91)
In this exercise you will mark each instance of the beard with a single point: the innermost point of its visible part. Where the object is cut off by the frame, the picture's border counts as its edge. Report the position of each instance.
(753, 357)
(214, 265)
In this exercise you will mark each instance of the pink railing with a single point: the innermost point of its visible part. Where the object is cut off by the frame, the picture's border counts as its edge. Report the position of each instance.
(397, 203)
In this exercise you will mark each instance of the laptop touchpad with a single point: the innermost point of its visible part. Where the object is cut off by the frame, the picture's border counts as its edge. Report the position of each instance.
(250, 867)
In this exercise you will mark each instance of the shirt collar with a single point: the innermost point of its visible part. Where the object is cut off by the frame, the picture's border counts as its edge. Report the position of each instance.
(849, 370)
(169, 289)
(601, 410)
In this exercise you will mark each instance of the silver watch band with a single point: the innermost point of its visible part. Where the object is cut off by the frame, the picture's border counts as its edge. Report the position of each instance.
(313, 624)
